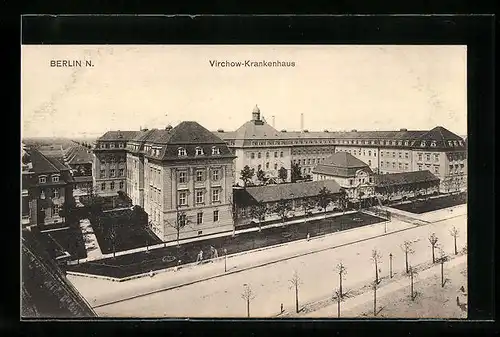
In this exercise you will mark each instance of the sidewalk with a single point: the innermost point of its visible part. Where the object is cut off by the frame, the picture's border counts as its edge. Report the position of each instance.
(194, 239)
(101, 292)
(87, 231)
(351, 303)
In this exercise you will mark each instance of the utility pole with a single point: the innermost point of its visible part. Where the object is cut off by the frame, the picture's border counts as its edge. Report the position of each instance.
(225, 260)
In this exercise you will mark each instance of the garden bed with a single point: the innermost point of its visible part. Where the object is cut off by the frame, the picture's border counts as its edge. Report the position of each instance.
(433, 204)
(68, 239)
(161, 258)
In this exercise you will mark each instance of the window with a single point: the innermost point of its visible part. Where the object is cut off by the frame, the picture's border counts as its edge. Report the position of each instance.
(199, 175)
(121, 172)
(258, 155)
(199, 218)
(419, 156)
(420, 167)
(427, 157)
(381, 153)
(55, 179)
(216, 216)
(181, 151)
(182, 177)
(199, 151)
(103, 186)
(112, 173)
(276, 154)
(436, 169)
(182, 199)
(369, 163)
(393, 165)
(121, 185)
(182, 220)
(406, 155)
(406, 166)
(199, 197)
(215, 150)
(422, 144)
(112, 185)
(400, 166)
(252, 155)
(394, 155)
(350, 181)
(259, 167)
(436, 157)
(215, 196)
(381, 164)
(267, 154)
(281, 154)
(399, 154)
(42, 180)
(267, 165)
(56, 193)
(369, 153)
(433, 143)
(215, 174)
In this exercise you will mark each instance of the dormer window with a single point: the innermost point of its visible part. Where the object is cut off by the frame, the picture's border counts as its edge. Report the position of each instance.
(460, 142)
(455, 143)
(199, 151)
(450, 143)
(215, 150)
(103, 145)
(433, 144)
(112, 145)
(400, 143)
(42, 180)
(181, 151)
(422, 143)
(406, 143)
(55, 179)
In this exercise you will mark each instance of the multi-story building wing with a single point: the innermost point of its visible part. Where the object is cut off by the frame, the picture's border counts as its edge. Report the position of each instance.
(109, 170)
(182, 176)
(440, 151)
(46, 184)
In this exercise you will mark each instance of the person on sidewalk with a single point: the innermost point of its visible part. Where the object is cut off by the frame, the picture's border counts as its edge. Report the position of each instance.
(308, 236)
(199, 258)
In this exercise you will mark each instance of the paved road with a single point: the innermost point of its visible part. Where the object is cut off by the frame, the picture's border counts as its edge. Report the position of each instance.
(222, 296)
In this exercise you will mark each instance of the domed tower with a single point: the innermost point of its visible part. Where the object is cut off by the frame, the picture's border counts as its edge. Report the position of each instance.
(256, 113)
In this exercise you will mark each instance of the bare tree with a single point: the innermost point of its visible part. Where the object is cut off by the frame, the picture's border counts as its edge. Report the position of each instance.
(374, 285)
(338, 298)
(181, 221)
(282, 208)
(455, 233)
(376, 256)
(433, 241)
(295, 281)
(234, 213)
(248, 296)
(442, 259)
(407, 248)
(112, 236)
(411, 275)
(259, 211)
(341, 269)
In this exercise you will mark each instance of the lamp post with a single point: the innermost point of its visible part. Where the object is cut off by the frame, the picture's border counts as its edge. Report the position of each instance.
(390, 264)
(225, 260)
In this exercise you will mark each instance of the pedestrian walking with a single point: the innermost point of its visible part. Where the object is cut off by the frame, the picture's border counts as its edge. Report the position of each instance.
(308, 236)
(199, 258)
(216, 254)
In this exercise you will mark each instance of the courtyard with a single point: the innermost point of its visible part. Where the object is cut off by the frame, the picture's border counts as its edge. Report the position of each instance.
(433, 204)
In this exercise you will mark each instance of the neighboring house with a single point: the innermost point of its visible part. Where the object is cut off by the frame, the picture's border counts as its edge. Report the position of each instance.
(182, 175)
(294, 193)
(259, 145)
(349, 172)
(80, 160)
(52, 151)
(45, 290)
(396, 186)
(46, 184)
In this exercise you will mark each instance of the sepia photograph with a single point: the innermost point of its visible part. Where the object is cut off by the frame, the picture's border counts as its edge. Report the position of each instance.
(244, 181)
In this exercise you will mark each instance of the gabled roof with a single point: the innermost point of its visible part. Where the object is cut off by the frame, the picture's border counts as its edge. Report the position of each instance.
(442, 138)
(403, 178)
(53, 151)
(118, 135)
(271, 193)
(78, 155)
(345, 160)
(43, 164)
(46, 292)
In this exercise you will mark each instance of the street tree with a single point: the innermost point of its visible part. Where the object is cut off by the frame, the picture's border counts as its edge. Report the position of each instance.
(282, 174)
(361, 195)
(324, 199)
(455, 233)
(113, 237)
(374, 286)
(433, 240)
(259, 211)
(376, 257)
(342, 271)
(338, 298)
(442, 259)
(180, 222)
(342, 199)
(282, 208)
(247, 175)
(295, 282)
(248, 295)
(411, 275)
(261, 176)
(307, 205)
(295, 173)
(234, 213)
(407, 248)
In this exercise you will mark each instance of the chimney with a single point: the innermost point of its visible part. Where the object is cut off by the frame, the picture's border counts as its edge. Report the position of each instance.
(301, 122)
(273, 121)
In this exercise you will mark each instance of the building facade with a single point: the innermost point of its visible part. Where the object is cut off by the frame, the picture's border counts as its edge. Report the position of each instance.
(183, 178)
(46, 183)
(109, 169)
(438, 150)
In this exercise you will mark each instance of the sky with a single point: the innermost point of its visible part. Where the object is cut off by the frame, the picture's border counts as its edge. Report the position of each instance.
(335, 87)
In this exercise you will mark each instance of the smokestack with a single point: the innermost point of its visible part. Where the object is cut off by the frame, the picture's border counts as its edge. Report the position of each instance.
(301, 122)
(273, 120)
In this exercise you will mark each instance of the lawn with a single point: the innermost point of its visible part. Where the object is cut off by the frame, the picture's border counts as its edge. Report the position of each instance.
(432, 301)
(67, 239)
(128, 234)
(141, 262)
(434, 204)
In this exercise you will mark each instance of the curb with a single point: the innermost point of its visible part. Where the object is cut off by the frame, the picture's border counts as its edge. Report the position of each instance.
(248, 268)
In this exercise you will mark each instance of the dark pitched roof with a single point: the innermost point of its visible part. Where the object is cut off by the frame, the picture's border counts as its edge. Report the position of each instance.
(44, 164)
(404, 178)
(78, 155)
(270, 193)
(442, 138)
(341, 164)
(118, 135)
(46, 292)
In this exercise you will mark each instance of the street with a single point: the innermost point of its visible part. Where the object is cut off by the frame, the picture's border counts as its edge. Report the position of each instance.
(221, 297)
